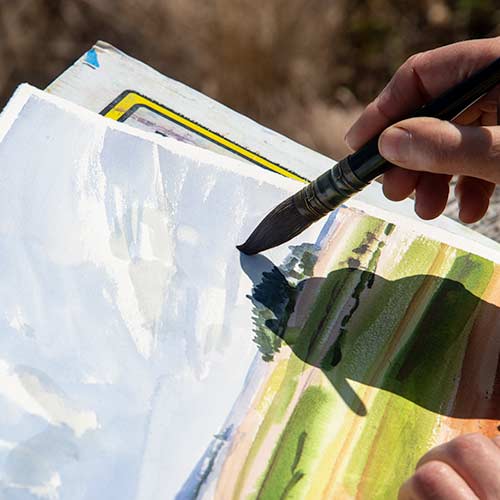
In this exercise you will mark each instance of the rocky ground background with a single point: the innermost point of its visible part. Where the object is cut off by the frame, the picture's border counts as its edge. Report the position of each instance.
(302, 67)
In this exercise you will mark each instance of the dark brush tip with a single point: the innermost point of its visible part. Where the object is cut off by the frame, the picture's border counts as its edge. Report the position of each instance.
(277, 227)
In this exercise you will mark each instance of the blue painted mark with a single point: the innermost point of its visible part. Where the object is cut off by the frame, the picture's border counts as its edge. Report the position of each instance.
(91, 59)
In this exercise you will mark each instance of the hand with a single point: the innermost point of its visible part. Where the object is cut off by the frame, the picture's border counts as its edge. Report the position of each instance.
(432, 151)
(466, 468)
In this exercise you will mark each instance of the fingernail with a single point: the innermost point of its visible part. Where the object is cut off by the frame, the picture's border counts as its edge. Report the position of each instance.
(394, 144)
(348, 139)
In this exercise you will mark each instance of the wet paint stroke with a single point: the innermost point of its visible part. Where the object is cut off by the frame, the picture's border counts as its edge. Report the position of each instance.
(275, 296)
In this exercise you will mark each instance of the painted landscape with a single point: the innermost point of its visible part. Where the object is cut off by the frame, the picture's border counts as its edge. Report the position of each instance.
(375, 344)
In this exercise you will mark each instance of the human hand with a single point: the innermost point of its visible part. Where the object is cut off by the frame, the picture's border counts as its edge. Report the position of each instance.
(466, 468)
(431, 151)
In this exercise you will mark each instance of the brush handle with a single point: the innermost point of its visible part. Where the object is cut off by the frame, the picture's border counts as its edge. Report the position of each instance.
(367, 163)
(356, 171)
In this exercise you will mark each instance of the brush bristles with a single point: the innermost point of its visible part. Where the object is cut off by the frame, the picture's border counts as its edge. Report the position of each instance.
(277, 227)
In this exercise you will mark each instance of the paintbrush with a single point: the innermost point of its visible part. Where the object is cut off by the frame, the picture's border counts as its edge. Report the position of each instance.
(356, 171)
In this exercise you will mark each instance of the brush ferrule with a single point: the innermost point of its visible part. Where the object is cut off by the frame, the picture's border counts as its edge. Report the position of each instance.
(345, 179)
(328, 191)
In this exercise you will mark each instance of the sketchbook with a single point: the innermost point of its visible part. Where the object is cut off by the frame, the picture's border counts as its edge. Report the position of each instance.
(142, 356)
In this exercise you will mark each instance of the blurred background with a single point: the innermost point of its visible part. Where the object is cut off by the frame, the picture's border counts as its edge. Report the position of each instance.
(302, 67)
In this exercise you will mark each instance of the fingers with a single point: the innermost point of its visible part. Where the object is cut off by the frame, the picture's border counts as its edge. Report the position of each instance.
(399, 183)
(431, 195)
(438, 481)
(419, 79)
(443, 149)
(431, 190)
(475, 458)
(466, 468)
(473, 196)
(432, 145)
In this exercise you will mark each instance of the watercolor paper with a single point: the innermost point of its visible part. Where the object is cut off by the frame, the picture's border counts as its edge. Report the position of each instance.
(141, 356)
(126, 331)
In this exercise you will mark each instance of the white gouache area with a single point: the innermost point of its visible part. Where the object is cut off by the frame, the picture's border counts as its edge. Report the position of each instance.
(126, 330)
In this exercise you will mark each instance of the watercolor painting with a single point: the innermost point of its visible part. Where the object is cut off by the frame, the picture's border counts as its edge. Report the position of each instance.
(375, 344)
(141, 356)
(125, 327)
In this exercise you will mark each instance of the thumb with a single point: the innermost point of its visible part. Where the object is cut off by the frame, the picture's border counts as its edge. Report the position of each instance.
(432, 145)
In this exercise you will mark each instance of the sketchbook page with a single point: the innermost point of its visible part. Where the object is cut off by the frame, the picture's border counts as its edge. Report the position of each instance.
(107, 81)
(142, 356)
(126, 327)
(386, 345)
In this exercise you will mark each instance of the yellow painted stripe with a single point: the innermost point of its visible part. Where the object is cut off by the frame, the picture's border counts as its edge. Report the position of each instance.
(133, 99)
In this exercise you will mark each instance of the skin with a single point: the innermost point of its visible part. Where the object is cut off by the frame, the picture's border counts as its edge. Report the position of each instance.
(466, 468)
(429, 152)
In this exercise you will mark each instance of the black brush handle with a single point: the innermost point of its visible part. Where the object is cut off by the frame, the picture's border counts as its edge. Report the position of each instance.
(367, 163)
